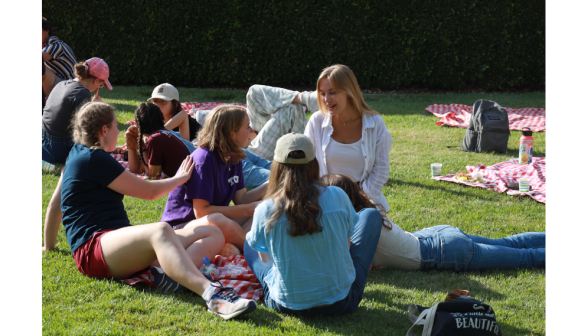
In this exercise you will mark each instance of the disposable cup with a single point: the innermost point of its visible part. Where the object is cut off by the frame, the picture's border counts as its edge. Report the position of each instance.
(436, 169)
(524, 184)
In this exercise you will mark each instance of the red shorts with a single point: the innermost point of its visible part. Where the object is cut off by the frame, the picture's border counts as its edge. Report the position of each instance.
(89, 258)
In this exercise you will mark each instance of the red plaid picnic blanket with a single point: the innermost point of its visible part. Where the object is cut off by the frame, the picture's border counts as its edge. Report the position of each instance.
(245, 285)
(458, 115)
(187, 106)
(499, 175)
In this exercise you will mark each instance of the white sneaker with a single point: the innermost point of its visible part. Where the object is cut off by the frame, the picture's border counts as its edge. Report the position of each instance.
(225, 303)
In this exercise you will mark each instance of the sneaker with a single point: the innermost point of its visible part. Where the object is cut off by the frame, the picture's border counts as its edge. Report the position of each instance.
(164, 282)
(227, 304)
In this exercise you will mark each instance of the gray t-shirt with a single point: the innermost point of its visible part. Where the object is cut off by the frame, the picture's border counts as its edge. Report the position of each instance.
(63, 101)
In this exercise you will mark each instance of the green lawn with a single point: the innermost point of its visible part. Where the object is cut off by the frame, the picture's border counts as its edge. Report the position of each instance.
(75, 304)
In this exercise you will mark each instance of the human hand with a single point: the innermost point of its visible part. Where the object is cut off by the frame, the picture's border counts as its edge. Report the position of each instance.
(132, 137)
(250, 208)
(120, 150)
(185, 171)
(97, 97)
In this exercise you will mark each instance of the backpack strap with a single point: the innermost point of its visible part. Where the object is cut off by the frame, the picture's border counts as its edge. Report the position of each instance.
(426, 319)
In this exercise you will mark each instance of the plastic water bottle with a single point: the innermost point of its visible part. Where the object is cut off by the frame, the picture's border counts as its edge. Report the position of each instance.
(47, 167)
(526, 147)
(210, 271)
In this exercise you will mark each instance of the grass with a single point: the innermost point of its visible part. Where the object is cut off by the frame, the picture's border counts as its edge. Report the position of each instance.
(75, 304)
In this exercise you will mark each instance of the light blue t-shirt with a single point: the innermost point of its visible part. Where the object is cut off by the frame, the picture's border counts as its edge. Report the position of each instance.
(310, 270)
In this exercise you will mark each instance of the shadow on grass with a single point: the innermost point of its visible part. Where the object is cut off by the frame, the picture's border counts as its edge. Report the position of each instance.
(391, 183)
(120, 107)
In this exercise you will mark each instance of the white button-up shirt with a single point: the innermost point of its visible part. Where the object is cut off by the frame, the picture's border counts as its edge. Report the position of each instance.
(375, 145)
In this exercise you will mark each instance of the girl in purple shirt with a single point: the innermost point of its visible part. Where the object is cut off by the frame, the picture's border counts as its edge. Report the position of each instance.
(217, 178)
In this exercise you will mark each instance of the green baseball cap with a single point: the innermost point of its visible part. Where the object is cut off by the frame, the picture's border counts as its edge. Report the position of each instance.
(293, 142)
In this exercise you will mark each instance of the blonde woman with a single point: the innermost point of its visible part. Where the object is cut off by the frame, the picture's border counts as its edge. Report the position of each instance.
(348, 136)
(217, 178)
(103, 242)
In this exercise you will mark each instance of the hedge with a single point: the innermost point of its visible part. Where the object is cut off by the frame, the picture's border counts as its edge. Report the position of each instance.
(389, 44)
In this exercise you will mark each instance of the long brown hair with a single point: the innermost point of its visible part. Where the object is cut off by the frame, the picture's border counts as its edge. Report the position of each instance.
(88, 121)
(219, 127)
(342, 78)
(358, 198)
(294, 188)
(149, 119)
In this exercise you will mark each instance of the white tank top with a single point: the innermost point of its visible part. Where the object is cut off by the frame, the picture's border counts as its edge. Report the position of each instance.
(345, 159)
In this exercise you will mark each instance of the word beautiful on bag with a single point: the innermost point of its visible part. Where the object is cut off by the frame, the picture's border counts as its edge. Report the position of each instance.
(477, 320)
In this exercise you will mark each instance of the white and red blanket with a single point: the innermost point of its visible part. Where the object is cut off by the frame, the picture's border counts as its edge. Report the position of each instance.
(245, 285)
(499, 175)
(458, 115)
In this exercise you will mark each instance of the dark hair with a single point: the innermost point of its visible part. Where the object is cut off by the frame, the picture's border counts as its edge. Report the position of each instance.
(295, 191)
(47, 26)
(88, 121)
(81, 71)
(149, 119)
(176, 107)
(358, 198)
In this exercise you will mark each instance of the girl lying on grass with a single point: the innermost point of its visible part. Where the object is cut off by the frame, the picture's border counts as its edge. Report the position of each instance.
(217, 178)
(444, 247)
(162, 150)
(166, 96)
(104, 244)
(309, 249)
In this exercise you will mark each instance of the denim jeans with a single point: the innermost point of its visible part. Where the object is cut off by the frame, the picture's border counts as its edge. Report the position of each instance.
(256, 170)
(55, 149)
(364, 240)
(447, 247)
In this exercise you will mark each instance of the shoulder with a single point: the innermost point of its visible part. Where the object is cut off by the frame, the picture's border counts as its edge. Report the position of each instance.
(204, 156)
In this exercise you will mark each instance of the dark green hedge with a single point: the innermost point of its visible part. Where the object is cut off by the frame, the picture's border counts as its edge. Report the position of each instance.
(442, 45)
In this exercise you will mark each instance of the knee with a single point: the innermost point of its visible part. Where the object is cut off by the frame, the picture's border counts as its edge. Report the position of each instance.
(162, 230)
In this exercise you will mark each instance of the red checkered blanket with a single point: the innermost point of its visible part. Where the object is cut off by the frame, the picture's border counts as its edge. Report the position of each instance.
(245, 285)
(499, 175)
(458, 115)
(187, 106)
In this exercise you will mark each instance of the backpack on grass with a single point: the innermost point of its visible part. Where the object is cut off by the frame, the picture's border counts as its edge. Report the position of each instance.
(465, 316)
(488, 130)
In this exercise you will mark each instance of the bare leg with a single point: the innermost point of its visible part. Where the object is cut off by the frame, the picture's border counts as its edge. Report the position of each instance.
(245, 223)
(49, 81)
(232, 230)
(133, 248)
(201, 240)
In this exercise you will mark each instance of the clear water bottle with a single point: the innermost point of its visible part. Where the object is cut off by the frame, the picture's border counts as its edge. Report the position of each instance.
(47, 167)
(526, 147)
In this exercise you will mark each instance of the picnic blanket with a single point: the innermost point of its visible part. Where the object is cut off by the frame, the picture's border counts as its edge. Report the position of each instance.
(245, 285)
(458, 115)
(198, 111)
(499, 175)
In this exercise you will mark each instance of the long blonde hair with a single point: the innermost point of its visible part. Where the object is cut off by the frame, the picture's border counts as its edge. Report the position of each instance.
(88, 121)
(219, 127)
(342, 78)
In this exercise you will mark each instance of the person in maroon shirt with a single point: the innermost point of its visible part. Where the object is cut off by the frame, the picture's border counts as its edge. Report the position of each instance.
(161, 150)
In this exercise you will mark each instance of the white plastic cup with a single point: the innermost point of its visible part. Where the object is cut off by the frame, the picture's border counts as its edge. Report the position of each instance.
(524, 184)
(436, 169)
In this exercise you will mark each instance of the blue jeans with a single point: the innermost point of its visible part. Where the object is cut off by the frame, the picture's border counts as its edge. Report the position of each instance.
(56, 149)
(256, 170)
(447, 247)
(364, 240)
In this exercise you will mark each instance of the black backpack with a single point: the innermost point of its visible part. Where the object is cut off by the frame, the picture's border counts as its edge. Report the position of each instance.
(488, 129)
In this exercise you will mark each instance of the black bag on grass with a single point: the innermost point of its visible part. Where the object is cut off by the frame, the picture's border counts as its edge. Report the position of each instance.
(488, 129)
(465, 316)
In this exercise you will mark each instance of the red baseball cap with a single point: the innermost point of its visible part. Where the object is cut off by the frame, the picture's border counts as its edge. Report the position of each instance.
(98, 68)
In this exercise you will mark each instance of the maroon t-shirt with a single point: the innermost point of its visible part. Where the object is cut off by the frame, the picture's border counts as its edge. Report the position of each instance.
(166, 150)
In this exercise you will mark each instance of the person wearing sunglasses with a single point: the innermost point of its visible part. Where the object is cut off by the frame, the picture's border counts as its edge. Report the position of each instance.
(65, 99)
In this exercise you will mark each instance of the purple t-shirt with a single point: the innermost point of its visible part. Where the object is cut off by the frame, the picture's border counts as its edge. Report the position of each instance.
(212, 180)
